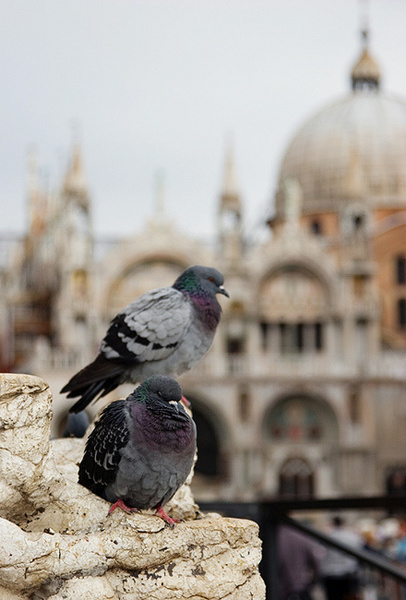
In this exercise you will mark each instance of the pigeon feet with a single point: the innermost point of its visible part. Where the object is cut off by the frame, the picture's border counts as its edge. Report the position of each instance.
(121, 504)
(161, 513)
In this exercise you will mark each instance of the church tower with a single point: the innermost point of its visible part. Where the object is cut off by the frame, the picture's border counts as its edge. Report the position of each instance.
(230, 212)
(73, 311)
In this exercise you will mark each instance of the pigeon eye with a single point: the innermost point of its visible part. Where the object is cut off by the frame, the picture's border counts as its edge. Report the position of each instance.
(211, 279)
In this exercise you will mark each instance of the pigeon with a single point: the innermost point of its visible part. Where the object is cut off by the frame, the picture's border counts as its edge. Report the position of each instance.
(141, 449)
(165, 331)
(76, 425)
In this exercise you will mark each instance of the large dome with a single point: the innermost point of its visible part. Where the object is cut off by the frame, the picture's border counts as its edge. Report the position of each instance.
(352, 150)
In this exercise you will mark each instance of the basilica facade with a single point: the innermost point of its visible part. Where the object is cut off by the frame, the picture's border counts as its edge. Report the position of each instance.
(303, 391)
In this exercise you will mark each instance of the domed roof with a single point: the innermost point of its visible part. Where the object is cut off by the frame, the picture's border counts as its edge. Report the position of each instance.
(354, 149)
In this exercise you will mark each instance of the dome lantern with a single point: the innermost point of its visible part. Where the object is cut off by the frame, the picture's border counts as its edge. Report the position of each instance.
(365, 73)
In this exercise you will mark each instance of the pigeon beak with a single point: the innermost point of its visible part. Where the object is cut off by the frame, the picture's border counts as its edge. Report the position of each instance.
(222, 290)
(174, 404)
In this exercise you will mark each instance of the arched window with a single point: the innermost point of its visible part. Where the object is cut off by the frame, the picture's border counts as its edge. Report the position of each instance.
(355, 221)
(358, 222)
(299, 419)
(295, 420)
(208, 463)
(402, 313)
(354, 405)
(316, 228)
(401, 270)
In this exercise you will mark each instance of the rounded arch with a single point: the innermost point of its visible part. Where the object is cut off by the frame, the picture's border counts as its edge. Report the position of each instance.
(139, 276)
(144, 249)
(213, 439)
(308, 262)
(300, 417)
(296, 286)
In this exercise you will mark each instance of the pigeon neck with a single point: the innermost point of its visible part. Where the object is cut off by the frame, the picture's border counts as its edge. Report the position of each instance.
(160, 426)
(207, 310)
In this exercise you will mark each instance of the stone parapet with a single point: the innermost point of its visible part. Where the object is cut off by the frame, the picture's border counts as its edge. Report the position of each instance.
(56, 540)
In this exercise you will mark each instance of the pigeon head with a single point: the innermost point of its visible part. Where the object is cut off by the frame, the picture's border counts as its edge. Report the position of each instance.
(159, 390)
(197, 279)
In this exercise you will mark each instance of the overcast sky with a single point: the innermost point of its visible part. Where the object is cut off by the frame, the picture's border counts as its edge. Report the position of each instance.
(159, 84)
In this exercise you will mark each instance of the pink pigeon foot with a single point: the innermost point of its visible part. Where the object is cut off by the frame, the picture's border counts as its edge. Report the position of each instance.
(121, 504)
(161, 513)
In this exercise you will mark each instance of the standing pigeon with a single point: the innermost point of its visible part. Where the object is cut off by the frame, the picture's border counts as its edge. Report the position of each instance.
(165, 331)
(141, 449)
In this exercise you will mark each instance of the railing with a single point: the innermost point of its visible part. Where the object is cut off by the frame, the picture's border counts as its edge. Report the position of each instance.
(269, 515)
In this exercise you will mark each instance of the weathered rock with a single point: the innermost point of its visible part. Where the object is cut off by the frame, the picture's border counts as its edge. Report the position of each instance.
(56, 540)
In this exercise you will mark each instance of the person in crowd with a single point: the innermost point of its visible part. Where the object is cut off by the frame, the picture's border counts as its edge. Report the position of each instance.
(340, 571)
(299, 563)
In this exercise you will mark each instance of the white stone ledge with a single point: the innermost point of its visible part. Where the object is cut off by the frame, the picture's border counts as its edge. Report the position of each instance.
(57, 542)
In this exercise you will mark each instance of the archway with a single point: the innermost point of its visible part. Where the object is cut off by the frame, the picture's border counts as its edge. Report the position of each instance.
(296, 479)
(140, 277)
(301, 418)
(208, 445)
(301, 431)
(213, 441)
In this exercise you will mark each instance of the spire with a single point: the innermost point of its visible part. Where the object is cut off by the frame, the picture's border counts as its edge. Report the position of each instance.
(230, 197)
(75, 180)
(230, 213)
(34, 191)
(160, 221)
(32, 184)
(365, 73)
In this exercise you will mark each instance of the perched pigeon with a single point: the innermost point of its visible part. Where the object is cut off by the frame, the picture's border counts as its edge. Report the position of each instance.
(141, 449)
(165, 331)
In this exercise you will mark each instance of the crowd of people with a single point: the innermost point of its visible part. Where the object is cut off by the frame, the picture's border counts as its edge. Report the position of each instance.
(311, 571)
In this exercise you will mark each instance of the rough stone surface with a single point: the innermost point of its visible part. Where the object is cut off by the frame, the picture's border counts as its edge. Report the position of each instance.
(57, 542)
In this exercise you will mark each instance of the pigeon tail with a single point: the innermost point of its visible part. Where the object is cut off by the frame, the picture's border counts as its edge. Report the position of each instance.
(92, 392)
(95, 380)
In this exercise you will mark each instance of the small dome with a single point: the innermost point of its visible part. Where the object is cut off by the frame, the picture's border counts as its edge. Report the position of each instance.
(355, 149)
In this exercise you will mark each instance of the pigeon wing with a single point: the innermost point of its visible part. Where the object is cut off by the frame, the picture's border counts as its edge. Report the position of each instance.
(150, 328)
(100, 462)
